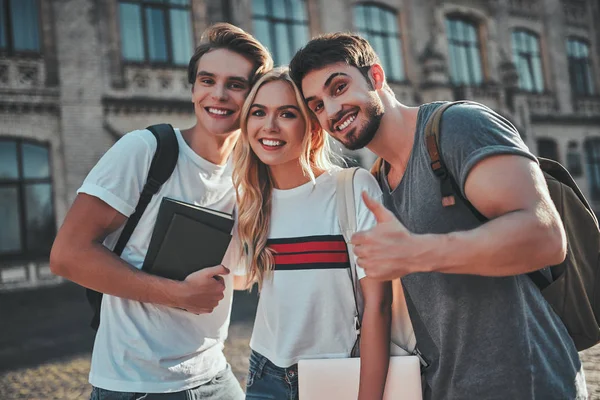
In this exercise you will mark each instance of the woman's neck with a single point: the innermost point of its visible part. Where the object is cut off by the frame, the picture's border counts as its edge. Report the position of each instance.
(290, 175)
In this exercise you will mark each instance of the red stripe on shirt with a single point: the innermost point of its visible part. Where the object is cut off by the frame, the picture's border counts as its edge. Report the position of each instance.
(306, 247)
(311, 258)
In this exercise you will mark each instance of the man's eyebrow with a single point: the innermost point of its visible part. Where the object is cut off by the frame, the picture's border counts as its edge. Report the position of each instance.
(326, 84)
(331, 77)
(233, 78)
(238, 78)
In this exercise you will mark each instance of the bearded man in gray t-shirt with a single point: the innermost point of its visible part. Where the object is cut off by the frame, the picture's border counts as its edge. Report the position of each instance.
(482, 325)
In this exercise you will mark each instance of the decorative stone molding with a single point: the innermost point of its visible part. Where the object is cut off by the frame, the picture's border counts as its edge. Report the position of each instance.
(529, 8)
(575, 12)
(542, 104)
(588, 106)
(22, 73)
(140, 80)
(28, 74)
(153, 82)
(20, 101)
(136, 105)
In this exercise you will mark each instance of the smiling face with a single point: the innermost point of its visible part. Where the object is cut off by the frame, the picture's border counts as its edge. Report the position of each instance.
(220, 89)
(345, 103)
(276, 127)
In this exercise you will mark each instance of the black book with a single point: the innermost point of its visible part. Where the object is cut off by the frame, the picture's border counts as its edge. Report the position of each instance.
(186, 238)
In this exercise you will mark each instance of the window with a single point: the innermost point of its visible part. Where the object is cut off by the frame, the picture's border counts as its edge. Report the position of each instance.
(156, 31)
(592, 152)
(580, 67)
(380, 27)
(19, 30)
(281, 25)
(527, 58)
(464, 51)
(26, 208)
(547, 148)
(574, 160)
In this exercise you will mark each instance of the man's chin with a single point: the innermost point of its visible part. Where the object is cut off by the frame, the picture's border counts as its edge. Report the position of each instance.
(353, 142)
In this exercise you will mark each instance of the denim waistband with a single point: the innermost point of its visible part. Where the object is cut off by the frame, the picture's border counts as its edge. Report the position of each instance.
(260, 365)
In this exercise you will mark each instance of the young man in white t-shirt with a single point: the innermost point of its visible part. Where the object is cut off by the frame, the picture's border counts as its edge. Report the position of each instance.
(158, 337)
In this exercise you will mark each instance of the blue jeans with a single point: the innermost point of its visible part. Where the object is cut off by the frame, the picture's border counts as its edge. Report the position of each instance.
(224, 386)
(268, 381)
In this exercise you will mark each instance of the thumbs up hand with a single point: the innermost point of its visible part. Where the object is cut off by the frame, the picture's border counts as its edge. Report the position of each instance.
(388, 250)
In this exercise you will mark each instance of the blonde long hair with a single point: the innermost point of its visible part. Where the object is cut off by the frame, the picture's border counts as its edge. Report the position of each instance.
(254, 185)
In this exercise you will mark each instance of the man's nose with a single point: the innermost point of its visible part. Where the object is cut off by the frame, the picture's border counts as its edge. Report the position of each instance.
(220, 93)
(332, 108)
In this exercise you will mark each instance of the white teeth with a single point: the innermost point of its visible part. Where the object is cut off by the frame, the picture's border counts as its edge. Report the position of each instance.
(272, 143)
(217, 111)
(346, 123)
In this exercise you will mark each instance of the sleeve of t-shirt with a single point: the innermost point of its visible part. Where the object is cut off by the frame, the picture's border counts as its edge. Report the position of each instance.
(233, 256)
(472, 132)
(365, 220)
(120, 175)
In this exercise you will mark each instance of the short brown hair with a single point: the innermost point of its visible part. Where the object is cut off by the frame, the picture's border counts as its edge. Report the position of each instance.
(230, 37)
(332, 48)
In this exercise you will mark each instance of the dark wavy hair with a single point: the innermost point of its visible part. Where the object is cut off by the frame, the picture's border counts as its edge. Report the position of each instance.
(332, 48)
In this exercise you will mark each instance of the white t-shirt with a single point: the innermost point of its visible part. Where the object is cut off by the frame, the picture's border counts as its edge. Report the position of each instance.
(307, 309)
(143, 347)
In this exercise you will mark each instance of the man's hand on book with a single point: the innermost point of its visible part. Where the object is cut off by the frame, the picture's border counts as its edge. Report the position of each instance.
(203, 290)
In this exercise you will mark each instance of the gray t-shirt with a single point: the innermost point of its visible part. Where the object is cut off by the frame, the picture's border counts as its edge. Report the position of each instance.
(485, 338)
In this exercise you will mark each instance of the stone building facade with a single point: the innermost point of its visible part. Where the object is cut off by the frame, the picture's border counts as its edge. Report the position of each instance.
(77, 74)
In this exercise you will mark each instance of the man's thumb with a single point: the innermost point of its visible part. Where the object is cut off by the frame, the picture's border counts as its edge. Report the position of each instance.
(381, 213)
(216, 270)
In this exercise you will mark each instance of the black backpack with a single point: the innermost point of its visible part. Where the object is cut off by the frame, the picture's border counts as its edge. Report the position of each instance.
(162, 166)
(573, 287)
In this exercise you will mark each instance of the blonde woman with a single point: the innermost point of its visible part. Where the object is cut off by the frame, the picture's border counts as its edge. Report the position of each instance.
(293, 249)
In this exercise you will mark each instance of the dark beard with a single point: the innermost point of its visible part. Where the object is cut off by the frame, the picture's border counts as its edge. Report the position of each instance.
(362, 136)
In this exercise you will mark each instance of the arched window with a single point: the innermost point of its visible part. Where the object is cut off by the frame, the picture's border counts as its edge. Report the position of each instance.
(19, 26)
(592, 153)
(380, 27)
(26, 207)
(464, 51)
(156, 32)
(528, 59)
(281, 25)
(580, 67)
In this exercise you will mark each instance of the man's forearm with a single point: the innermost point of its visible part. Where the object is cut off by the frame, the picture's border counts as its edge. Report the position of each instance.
(374, 352)
(97, 268)
(515, 243)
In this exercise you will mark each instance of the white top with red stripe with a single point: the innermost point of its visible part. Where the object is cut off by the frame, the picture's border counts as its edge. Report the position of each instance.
(307, 309)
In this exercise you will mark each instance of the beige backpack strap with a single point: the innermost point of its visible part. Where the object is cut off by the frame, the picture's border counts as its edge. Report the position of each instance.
(346, 213)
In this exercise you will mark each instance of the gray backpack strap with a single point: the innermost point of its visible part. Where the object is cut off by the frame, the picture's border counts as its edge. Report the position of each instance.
(346, 212)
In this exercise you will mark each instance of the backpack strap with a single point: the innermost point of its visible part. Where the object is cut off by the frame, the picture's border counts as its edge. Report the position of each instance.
(346, 213)
(450, 189)
(162, 166)
(448, 186)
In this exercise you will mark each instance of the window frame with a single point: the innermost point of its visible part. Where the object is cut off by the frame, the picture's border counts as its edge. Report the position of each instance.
(476, 24)
(9, 50)
(272, 20)
(592, 158)
(25, 254)
(529, 55)
(165, 7)
(578, 63)
(386, 36)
